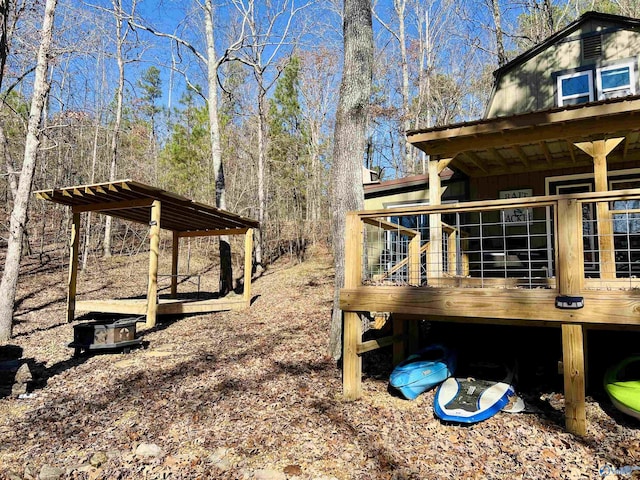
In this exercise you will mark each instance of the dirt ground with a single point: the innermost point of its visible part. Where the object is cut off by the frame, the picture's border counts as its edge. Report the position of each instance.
(253, 394)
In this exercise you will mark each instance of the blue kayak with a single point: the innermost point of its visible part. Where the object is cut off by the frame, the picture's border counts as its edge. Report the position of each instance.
(424, 370)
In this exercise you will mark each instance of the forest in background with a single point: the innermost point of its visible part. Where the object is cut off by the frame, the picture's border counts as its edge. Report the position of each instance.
(132, 82)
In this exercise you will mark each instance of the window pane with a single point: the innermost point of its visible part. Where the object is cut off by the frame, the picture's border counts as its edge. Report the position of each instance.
(575, 100)
(615, 78)
(575, 85)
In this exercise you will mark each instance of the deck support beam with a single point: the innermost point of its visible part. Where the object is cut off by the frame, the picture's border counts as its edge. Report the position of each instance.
(574, 378)
(154, 251)
(351, 323)
(73, 266)
(351, 361)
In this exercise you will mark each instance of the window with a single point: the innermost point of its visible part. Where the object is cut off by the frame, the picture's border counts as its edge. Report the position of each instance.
(627, 219)
(610, 82)
(575, 88)
(616, 81)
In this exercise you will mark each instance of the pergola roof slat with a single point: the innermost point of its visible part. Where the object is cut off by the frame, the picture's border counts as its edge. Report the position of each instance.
(126, 199)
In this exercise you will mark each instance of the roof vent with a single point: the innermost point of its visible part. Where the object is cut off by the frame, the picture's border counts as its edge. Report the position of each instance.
(592, 47)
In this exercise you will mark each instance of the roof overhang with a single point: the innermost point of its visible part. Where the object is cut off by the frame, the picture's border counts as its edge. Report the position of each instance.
(131, 200)
(540, 140)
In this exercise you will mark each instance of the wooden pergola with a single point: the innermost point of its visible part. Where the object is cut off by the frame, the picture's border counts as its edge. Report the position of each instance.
(140, 203)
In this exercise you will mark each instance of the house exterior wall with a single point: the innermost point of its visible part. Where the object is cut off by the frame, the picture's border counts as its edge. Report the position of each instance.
(531, 85)
(380, 202)
(488, 188)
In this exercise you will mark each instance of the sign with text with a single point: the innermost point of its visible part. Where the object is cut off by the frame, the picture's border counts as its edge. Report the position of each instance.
(517, 215)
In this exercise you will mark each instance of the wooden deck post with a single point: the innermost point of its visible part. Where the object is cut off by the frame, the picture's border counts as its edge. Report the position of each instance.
(574, 379)
(248, 264)
(413, 255)
(571, 283)
(599, 150)
(352, 325)
(570, 248)
(74, 243)
(154, 250)
(452, 251)
(351, 361)
(434, 254)
(174, 264)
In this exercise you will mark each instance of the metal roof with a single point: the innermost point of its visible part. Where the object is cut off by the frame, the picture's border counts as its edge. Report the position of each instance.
(131, 200)
(540, 140)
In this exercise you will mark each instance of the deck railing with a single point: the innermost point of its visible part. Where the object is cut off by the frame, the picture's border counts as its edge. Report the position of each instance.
(592, 238)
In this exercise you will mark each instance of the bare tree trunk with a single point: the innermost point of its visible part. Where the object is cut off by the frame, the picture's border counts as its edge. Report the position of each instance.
(262, 197)
(349, 140)
(226, 268)
(400, 8)
(407, 166)
(5, 7)
(9, 281)
(94, 161)
(263, 53)
(10, 165)
(548, 17)
(120, 38)
(497, 21)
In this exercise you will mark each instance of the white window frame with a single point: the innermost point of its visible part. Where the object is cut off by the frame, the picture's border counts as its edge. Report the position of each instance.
(563, 98)
(632, 79)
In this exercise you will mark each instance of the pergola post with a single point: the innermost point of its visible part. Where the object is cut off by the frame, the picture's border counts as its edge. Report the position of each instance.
(154, 250)
(73, 266)
(248, 264)
(599, 150)
(175, 247)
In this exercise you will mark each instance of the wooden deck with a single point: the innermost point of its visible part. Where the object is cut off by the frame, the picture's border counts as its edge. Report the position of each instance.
(428, 287)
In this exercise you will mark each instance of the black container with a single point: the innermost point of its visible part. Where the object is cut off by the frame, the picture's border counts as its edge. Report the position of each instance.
(105, 334)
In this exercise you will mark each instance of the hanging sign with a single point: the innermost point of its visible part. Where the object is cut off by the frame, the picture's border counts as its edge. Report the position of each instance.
(517, 215)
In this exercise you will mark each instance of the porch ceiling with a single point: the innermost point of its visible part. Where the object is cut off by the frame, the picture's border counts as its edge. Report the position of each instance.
(130, 200)
(535, 141)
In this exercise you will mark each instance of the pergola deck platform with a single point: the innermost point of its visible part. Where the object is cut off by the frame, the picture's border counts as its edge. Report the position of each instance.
(165, 306)
(140, 203)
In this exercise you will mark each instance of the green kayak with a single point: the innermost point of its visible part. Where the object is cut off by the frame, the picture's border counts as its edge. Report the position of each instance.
(622, 383)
